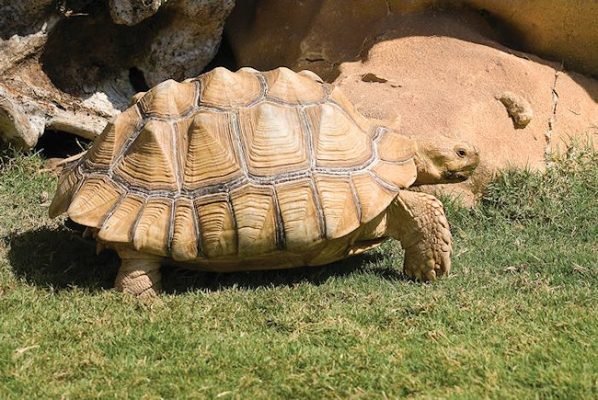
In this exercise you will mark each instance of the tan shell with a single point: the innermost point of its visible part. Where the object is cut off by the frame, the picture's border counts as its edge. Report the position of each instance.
(232, 165)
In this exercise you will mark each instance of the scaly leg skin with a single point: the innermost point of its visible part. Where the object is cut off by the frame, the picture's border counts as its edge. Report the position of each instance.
(417, 220)
(139, 274)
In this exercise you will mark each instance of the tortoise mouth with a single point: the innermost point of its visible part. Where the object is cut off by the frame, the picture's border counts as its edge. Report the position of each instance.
(456, 176)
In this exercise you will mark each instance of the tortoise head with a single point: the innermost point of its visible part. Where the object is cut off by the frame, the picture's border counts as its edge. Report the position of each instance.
(443, 160)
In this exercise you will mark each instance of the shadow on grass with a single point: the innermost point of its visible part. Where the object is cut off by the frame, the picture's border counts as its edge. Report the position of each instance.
(61, 259)
(178, 280)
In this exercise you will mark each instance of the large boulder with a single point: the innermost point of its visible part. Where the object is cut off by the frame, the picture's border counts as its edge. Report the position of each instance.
(73, 66)
(443, 76)
(443, 72)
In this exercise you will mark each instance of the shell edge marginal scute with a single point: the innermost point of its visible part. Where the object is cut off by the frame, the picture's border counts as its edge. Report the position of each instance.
(383, 183)
(112, 209)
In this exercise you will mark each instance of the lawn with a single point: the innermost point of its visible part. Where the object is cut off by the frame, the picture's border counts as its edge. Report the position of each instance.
(516, 319)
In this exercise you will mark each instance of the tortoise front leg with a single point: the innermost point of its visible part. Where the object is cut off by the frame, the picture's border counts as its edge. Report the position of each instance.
(139, 274)
(417, 220)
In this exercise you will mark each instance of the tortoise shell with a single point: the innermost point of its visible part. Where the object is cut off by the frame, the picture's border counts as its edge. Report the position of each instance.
(236, 164)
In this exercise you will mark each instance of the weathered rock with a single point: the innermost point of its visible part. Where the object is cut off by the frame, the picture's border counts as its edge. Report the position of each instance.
(67, 65)
(312, 34)
(30, 102)
(131, 12)
(183, 47)
(575, 111)
(15, 124)
(23, 17)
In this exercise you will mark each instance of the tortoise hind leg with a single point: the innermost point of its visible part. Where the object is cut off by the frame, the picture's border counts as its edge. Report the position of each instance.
(139, 274)
(417, 220)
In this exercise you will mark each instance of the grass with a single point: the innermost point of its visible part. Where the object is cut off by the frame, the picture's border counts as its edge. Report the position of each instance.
(517, 318)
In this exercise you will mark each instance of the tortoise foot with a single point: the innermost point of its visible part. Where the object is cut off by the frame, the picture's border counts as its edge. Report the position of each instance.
(424, 233)
(426, 264)
(139, 275)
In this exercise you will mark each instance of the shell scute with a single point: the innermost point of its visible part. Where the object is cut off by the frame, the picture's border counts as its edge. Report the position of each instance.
(373, 198)
(301, 217)
(394, 147)
(93, 201)
(212, 156)
(274, 139)
(338, 200)
(338, 141)
(217, 226)
(287, 86)
(395, 165)
(226, 89)
(338, 97)
(311, 75)
(117, 228)
(149, 162)
(395, 175)
(169, 99)
(152, 232)
(184, 246)
(255, 212)
(111, 140)
(67, 185)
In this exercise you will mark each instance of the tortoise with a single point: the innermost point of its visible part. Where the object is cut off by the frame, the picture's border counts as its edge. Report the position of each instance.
(253, 170)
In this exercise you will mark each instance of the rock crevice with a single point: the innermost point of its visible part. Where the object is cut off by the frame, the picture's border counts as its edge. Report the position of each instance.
(552, 120)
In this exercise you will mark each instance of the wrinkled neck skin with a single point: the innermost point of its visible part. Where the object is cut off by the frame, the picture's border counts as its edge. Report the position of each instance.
(427, 172)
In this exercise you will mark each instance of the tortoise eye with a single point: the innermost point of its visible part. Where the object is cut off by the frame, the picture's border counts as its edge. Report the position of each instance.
(461, 153)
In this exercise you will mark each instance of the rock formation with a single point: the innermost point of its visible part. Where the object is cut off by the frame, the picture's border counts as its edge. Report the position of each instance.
(515, 107)
(459, 68)
(72, 65)
(444, 72)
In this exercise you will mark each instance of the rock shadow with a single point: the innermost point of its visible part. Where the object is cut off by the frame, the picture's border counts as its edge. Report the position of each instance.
(61, 259)
(315, 38)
